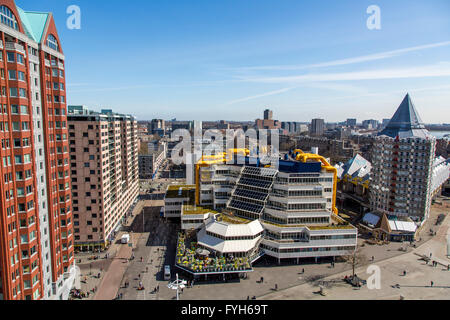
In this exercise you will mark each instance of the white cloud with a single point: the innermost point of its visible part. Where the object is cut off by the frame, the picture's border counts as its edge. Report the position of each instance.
(366, 58)
(436, 70)
(270, 93)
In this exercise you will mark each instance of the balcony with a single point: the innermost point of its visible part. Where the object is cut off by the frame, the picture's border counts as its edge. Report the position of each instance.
(15, 46)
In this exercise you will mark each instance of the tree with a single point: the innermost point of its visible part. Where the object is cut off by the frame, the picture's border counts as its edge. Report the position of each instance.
(356, 259)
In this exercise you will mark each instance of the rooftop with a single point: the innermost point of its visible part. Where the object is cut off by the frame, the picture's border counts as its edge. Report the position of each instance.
(33, 23)
(406, 122)
(192, 209)
(181, 191)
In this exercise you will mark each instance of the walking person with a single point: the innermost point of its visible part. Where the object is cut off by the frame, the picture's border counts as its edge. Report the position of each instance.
(276, 287)
(432, 283)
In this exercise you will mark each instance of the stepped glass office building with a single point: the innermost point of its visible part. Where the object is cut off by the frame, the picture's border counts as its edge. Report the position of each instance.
(36, 224)
(402, 166)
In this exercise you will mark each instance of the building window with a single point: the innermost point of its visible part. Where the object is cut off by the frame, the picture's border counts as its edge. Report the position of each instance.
(52, 42)
(8, 18)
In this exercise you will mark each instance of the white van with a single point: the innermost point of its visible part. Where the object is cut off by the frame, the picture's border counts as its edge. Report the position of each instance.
(167, 275)
(125, 239)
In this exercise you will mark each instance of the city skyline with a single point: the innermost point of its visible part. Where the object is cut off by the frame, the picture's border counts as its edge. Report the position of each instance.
(212, 61)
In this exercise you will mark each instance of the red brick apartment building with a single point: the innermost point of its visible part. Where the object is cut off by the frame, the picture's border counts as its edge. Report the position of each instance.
(36, 227)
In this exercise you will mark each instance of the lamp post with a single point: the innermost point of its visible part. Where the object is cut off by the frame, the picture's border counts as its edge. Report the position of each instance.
(176, 285)
(143, 220)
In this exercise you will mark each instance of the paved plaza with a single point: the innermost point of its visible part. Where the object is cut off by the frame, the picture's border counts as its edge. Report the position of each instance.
(157, 244)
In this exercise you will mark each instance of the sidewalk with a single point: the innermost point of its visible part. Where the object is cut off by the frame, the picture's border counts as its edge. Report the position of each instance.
(414, 286)
(111, 281)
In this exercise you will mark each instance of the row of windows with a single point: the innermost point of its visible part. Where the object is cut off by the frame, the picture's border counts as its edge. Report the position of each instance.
(11, 57)
(296, 206)
(18, 159)
(13, 75)
(293, 250)
(215, 235)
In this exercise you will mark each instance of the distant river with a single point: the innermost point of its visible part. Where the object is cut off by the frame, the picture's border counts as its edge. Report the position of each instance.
(439, 134)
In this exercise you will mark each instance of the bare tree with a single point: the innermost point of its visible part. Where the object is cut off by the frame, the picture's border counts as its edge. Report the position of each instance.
(356, 259)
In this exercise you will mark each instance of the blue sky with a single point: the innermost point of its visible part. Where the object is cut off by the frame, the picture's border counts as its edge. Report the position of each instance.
(230, 59)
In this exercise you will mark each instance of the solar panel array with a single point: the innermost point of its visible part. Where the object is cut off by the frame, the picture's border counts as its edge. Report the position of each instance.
(252, 190)
(251, 194)
(255, 171)
(246, 206)
(262, 184)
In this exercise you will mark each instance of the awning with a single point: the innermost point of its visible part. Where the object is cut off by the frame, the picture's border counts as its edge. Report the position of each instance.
(405, 226)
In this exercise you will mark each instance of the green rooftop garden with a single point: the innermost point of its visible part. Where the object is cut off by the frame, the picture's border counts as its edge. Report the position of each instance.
(191, 209)
(188, 259)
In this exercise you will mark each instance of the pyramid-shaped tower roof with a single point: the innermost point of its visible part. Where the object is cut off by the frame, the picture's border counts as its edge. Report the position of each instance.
(406, 122)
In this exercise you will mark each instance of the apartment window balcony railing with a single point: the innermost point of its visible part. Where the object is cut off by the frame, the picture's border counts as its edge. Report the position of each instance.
(15, 46)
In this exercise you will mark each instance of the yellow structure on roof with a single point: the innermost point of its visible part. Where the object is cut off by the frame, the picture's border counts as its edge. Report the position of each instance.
(207, 161)
(304, 157)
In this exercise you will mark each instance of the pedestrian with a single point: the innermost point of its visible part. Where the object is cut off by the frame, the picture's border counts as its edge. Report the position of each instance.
(430, 254)
(276, 287)
(373, 258)
(146, 269)
(448, 267)
(139, 275)
(158, 287)
(248, 297)
(303, 270)
(432, 283)
(404, 272)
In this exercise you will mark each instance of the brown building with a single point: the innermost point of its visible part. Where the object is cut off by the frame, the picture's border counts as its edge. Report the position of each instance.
(267, 122)
(104, 161)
